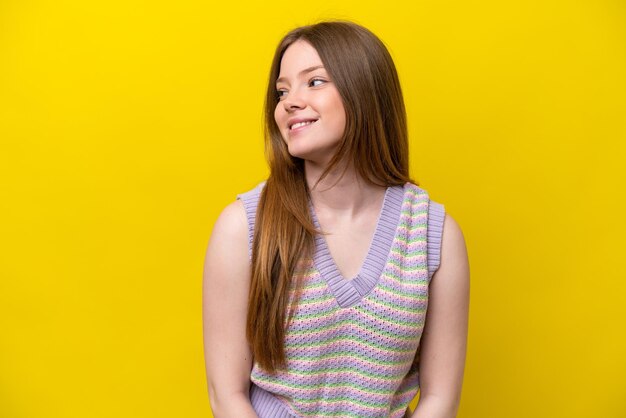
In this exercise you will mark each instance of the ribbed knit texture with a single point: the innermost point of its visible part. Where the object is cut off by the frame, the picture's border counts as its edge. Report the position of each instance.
(351, 343)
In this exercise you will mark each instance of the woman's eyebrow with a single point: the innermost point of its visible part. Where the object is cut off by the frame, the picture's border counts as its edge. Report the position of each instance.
(306, 70)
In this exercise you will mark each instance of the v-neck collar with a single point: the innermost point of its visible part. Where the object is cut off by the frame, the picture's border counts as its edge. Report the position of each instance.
(349, 292)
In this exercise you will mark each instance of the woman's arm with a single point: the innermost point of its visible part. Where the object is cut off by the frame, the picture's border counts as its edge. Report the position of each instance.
(225, 304)
(444, 340)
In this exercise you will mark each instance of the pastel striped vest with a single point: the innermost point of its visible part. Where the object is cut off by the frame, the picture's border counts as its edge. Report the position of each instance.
(351, 343)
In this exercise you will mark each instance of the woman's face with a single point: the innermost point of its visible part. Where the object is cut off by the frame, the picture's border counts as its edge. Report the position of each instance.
(310, 113)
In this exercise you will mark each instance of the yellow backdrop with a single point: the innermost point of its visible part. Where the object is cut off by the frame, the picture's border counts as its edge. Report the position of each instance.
(126, 126)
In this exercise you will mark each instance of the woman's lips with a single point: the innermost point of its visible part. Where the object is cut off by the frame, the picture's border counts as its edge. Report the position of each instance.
(302, 127)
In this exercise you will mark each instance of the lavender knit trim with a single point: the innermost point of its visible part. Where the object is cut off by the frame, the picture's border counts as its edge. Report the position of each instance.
(267, 405)
(436, 216)
(250, 201)
(349, 292)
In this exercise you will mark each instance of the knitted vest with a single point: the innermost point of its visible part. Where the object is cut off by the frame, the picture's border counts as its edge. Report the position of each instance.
(351, 343)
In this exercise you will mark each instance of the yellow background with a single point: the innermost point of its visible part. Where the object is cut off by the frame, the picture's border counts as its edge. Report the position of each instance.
(126, 126)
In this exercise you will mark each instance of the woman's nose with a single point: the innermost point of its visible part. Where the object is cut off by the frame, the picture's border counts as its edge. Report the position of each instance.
(293, 101)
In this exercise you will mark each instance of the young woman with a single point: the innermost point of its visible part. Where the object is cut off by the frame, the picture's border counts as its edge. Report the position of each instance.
(336, 287)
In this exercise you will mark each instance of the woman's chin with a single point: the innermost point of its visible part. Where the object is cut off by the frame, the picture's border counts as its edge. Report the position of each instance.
(300, 152)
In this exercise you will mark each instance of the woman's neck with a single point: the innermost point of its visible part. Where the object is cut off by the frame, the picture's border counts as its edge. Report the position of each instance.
(347, 198)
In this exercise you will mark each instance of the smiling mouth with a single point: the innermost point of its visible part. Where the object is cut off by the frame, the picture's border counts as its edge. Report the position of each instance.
(301, 124)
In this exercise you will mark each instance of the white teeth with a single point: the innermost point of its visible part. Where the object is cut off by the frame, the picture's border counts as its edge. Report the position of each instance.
(299, 124)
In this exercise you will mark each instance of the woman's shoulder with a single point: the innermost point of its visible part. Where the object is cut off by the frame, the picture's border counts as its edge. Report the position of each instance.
(234, 217)
(453, 273)
(226, 267)
(231, 225)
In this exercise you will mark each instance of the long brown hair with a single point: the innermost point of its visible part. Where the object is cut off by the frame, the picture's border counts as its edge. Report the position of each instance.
(375, 141)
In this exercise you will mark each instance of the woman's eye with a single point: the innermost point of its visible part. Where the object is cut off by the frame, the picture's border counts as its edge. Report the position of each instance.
(315, 80)
(280, 93)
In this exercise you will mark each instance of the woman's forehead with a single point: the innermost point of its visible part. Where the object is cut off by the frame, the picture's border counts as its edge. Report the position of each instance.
(299, 56)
